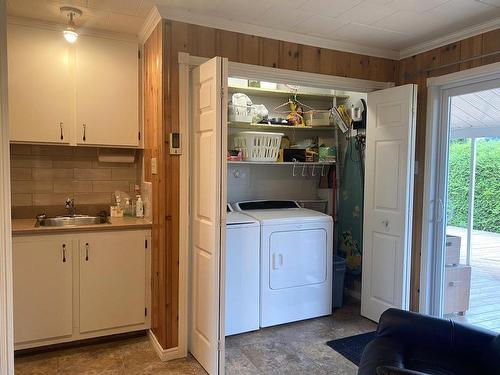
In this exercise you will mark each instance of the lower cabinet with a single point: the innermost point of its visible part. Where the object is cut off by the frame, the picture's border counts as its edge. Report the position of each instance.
(112, 274)
(43, 288)
(80, 285)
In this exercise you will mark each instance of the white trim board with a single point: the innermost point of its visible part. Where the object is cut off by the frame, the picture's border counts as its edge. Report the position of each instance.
(176, 14)
(450, 38)
(465, 76)
(6, 318)
(291, 76)
(152, 20)
(164, 354)
(215, 22)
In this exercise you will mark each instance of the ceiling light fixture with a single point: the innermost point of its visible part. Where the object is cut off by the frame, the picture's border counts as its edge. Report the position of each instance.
(70, 33)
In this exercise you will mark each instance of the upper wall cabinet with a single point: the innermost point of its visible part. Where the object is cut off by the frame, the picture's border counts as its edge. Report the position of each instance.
(81, 94)
(41, 86)
(107, 92)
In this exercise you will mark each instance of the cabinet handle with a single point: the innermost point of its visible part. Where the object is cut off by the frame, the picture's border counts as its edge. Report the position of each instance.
(87, 251)
(64, 252)
(61, 126)
(84, 131)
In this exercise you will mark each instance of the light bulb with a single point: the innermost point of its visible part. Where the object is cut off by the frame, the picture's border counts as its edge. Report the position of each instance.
(70, 35)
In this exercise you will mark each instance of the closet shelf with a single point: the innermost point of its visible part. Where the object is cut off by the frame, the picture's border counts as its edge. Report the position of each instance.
(280, 93)
(247, 126)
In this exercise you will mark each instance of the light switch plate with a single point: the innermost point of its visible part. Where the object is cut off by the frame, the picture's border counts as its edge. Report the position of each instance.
(154, 166)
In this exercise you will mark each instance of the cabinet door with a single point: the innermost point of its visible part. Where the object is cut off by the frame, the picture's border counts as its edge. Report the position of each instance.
(43, 288)
(41, 85)
(112, 280)
(107, 92)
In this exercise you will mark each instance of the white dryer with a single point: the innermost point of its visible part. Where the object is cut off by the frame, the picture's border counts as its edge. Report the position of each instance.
(296, 249)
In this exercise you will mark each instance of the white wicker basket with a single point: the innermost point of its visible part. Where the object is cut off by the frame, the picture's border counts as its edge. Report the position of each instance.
(258, 146)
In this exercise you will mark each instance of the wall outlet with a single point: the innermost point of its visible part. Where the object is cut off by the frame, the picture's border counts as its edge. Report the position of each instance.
(154, 166)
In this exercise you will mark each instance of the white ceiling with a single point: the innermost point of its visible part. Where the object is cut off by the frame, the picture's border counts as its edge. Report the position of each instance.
(476, 114)
(387, 25)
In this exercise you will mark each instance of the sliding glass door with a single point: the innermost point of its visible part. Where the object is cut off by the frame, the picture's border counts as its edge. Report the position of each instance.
(466, 285)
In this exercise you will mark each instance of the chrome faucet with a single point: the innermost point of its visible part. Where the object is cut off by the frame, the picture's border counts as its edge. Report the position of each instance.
(70, 206)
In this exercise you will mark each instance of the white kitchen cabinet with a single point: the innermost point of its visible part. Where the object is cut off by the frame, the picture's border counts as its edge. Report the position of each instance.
(80, 285)
(81, 94)
(41, 86)
(43, 287)
(107, 92)
(112, 280)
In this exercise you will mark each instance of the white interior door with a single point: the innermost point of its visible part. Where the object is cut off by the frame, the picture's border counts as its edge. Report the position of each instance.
(387, 228)
(208, 213)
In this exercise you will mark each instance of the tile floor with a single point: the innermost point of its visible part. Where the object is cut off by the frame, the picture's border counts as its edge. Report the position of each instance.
(296, 348)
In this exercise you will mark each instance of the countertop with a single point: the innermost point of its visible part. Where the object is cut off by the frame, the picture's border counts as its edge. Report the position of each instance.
(27, 226)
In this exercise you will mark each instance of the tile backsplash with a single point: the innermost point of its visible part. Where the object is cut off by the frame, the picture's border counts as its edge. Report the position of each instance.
(43, 177)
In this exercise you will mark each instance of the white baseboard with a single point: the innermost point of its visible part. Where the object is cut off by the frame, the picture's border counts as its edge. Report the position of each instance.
(164, 354)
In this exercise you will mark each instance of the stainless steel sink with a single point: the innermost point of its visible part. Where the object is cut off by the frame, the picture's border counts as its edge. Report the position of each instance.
(73, 220)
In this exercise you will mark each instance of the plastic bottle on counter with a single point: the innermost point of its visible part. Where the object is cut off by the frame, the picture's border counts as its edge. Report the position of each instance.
(139, 207)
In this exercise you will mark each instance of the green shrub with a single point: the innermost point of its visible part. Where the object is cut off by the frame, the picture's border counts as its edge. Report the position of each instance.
(487, 191)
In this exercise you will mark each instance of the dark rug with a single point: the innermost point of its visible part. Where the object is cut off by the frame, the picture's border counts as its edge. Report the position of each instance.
(352, 347)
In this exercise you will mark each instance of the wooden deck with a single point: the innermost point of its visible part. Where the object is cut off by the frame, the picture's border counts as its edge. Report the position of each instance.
(484, 308)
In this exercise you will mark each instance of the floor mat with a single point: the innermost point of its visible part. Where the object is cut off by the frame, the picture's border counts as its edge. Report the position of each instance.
(352, 347)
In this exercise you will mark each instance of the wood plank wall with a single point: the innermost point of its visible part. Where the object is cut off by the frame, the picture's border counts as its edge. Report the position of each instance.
(154, 148)
(161, 117)
(416, 69)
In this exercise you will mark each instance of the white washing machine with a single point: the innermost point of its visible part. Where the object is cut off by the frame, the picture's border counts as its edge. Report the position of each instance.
(242, 273)
(296, 246)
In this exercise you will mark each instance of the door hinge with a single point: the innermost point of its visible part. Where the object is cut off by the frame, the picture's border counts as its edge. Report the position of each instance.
(220, 346)
(139, 54)
(145, 311)
(139, 135)
(145, 244)
(222, 92)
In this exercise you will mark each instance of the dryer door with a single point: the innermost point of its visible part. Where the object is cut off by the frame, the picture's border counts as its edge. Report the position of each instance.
(297, 258)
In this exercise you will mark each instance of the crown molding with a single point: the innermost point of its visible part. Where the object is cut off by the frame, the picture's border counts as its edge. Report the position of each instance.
(450, 38)
(150, 23)
(246, 28)
(40, 24)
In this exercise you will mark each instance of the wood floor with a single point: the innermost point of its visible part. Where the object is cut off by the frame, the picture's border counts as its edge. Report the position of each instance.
(485, 283)
(291, 349)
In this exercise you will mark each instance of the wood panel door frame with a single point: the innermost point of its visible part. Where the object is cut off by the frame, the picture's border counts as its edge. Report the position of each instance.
(186, 63)
(433, 223)
(6, 318)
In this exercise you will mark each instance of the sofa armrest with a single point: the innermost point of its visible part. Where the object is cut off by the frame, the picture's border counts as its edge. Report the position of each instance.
(381, 351)
(391, 370)
(415, 329)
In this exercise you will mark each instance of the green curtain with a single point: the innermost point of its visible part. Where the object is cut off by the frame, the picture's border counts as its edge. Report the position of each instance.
(351, 208)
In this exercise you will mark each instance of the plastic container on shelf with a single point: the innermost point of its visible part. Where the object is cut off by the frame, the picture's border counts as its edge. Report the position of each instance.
(239, 113)
(258, 146)
(339, 267)
(317, 118)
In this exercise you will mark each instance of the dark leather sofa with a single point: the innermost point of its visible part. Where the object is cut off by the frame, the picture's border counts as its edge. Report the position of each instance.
(412, 344)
